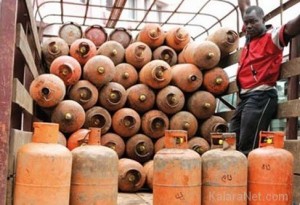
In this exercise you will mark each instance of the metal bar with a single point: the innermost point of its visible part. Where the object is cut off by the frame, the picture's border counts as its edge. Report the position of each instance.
(226, 103)
(176, 9)
(86, 11)
(61, 11)
(146, 14)
(115, 13)
(196, 13)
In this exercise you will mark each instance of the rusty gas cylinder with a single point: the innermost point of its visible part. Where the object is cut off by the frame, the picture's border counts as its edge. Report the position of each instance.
(138, 54)
(226, 39)
(156, 74)
(115, 142)
(224, 174)
(47, 90)
(187, 77)
(96, 34)
(270, 171)
(199, 145)
(43, 168)
(54, 47)
(82, 50)
(152, 35)
(121, 35)
(177, 38)
(202, 104)
(184, 120)
(166, 54)
(205, 54)
(159, 144)
(113, 50)
(212, 124)
(140, 148)
(140, 97)
(154, 123)
(148, 167)
(176, 160)
(70, 32)
(70, 116)
(99, 70)
(112, 96)
(126, 75)
(77, 138)
(132, 175)
(180, 57)
(215, 81)
(170, 99)
(98, 117)
(67, 68)
(85, 93)
(126, 122)
(62, 139)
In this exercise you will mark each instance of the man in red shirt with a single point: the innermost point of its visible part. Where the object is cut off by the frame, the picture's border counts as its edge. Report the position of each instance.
(258, 71)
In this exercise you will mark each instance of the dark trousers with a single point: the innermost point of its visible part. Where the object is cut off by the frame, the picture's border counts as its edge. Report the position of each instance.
(253, 114)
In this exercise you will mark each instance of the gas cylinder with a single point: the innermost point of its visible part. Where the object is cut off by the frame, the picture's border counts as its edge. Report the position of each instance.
(96, 34)
(132, 175)
(224, 174)
(215, 81)
(202, 104)
(159, 144)
(148, 167)
(94, 172)
(67, 68)
(187, 77)
(156, 74)
(138, 54)
(47, 90)
(154, 123)
(98, 117)
(270, 171)
(170, 99)
(114, 50)
(62, 139)
(82, 50)
(152, 35)
(177, 38)
(126, 122)
(112, 96)
(140, 148)
(198, 144)
(70, 116)
(176, 172)
(115, 142)
(180, 57)
(99, 70)
(184, 120)
(121, 35)
(212, 124)
(85, 93)
(140, 97)
(43, 169)
(78, 138)
(70, 32)
(166, 54)
(126, 75)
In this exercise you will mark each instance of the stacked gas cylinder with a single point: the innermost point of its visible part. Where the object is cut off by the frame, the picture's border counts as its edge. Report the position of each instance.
(134, 90)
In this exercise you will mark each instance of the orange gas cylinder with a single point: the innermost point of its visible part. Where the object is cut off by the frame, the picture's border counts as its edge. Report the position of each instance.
(98, 117)
(187, 77)
(67, 68)
(121, 35)
(177, 38)
(224, 175)
(215, 81)
(166, 54)
(212, 124)
(156, 74)
(62, 139)
(176, 172)
(184, 120)
(170, 99)
(96, 34)
(270, 180)
(94, 172)
(112, 96)
(159, 144)
(77, 138)
(154, 123)
(82, 50)
(85, 93)
(99, 70)
(180, 58)
(70, 116)
(202, 104)
(140, 97)
(47, 90)
(152, 35)
(70, 32)
(126, 122)
(115, 142)
(114, 50)
(132, 175)
(43, 169)
(148, 167)
(138, 54)
(140, 148)
(126, 75)
(199, 145)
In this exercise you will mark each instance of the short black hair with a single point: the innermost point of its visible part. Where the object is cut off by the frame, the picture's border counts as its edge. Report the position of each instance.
(258, 10)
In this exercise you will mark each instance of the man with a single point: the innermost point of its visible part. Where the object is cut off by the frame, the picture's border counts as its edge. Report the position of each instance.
(257, 74)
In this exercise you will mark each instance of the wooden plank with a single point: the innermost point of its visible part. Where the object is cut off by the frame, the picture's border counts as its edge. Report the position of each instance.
(130, 199)
(147, 197)
(290, 68)
(22, 44)
(287, 109)
(296, 189)
(21, 96)
(226, 115)
(293, 146)
(232, 88)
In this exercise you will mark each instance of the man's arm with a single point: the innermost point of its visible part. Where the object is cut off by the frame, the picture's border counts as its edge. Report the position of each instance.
(292, 27)
(243, 5)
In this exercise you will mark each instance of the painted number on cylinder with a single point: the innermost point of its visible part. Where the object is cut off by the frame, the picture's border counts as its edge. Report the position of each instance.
(226, 177)
(266, 167)
(179, 196)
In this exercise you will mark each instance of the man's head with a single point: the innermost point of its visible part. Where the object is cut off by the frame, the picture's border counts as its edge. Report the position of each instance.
(253, 20)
